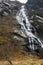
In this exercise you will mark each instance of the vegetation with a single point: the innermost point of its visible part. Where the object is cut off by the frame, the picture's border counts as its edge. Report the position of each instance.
(10, 48)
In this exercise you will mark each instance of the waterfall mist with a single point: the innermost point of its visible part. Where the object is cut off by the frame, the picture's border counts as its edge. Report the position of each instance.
(29, 31)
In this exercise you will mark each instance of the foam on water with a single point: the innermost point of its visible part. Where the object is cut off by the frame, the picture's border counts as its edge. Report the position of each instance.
(26, 28)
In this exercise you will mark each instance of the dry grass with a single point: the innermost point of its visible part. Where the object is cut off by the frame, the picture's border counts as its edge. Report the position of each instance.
(26, 61)
(14, 53)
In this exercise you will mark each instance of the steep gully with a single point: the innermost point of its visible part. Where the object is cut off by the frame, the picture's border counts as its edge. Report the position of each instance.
(34, 42)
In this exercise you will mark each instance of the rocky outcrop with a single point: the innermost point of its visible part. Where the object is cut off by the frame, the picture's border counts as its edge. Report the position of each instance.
(11, 36)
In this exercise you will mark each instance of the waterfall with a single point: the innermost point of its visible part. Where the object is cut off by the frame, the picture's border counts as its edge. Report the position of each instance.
(28, 29)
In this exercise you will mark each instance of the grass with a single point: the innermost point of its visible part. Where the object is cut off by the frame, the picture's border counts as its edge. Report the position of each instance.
(8, 46)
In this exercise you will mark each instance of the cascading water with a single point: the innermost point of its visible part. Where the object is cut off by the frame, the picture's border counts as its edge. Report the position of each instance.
(26, 28)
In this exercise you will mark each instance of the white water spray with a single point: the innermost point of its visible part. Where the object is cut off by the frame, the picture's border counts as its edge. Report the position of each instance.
(26, 28)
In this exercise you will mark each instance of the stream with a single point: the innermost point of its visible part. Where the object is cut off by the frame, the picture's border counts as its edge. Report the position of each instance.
(30, 32)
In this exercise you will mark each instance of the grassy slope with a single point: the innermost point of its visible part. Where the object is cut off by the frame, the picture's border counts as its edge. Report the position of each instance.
(7, 48)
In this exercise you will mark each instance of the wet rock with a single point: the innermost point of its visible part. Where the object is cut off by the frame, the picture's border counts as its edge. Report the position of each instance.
(17, 37)
(38, 24)
(41, 53)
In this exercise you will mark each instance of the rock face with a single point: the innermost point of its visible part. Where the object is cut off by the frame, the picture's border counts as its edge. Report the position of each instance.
(12, 41)
(37, 3)
(7, 7)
